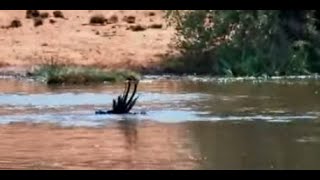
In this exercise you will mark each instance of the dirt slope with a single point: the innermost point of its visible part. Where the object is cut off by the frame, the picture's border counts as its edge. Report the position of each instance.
(73, 41)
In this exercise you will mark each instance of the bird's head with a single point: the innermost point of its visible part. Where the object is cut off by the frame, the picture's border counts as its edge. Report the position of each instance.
(132, 78)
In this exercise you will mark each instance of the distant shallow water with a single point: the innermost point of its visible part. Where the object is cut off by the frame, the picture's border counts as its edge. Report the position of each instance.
(167, 101)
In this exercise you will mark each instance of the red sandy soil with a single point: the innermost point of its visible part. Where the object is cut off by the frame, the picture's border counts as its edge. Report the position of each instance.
(121, 146)
(73, 41)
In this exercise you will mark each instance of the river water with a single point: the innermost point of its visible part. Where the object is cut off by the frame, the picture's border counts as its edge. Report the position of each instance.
(190, 124)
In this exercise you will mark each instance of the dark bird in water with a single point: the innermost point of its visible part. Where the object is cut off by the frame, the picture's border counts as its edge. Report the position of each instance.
(123, 104)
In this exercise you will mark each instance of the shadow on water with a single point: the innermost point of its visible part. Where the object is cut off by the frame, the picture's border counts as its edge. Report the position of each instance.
(129, 128)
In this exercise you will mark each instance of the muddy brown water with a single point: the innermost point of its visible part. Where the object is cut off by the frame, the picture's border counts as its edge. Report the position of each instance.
(188, 125)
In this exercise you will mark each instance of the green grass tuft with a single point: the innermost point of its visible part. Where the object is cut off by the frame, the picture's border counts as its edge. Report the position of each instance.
(59, 74)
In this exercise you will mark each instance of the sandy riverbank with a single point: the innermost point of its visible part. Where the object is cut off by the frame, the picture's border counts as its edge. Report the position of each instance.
(72, 41)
